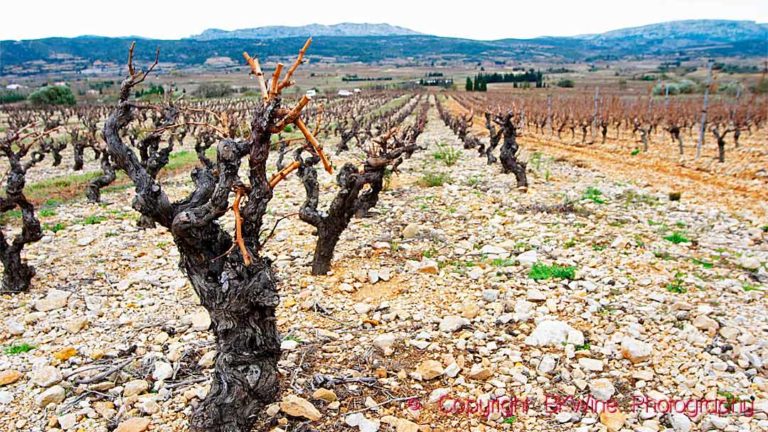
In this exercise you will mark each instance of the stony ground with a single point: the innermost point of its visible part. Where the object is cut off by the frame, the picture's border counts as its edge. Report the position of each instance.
(432, 297)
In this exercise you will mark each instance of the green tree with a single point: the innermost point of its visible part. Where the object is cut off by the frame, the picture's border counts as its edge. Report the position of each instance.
(468, 86)
(52, 95)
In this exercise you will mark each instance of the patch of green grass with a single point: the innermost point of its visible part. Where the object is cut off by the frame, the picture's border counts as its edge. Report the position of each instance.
(598, 247)
(677, 238)
(676, 286)
(447, 153)
(55, 228)
(429, 253)
(764, 228)
(510, 420)
(432, 179)
(635, 152)
(705, 264)
(593, 194)
(541, 271)
(680, 224)
(461, 266)
(749, 287)
(569, 244)
(632, 197)
(584, 347)
(93, 220)
(46, 212)
(11, 214)
(474, 181)
(502, 262)
(18, 348)
(292, 337)
(730, 398)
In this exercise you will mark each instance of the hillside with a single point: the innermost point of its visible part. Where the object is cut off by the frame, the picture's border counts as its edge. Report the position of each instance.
(703, 38)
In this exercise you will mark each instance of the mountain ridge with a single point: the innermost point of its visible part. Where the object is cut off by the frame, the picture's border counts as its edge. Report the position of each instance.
(676, 40)
(276, 32)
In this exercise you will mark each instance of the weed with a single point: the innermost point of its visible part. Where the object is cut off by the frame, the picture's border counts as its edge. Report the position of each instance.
(429, 253)
(54, 228)
(474, 181)
(542, 271)
(93, 220)
(432, 179)
(292, 337)
(635, 152)
(446, 153)
(677, 238)
(594, 195)
(676, 286)
(705, 264)
(502, 262)
(46, 212)
(748, 287)
(18, 349)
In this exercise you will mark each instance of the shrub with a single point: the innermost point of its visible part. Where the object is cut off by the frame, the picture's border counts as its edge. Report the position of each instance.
(52, 95)
(213, 90)
(10, 97)
(565, 83)
(152, 89)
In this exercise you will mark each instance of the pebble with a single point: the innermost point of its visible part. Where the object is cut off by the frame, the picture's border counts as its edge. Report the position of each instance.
(602, 389)
(324, 395)
(53, 395)
(55, 299)
(635, 350)
(162, 371)
(554, 333)
(299, 407)
(9, 376)
(46, 376)
(363, 423)
(134, 424)
(591, 364)
(451, 323)
(385, 342)
(680, 422)
(135, 387)
(429, 369)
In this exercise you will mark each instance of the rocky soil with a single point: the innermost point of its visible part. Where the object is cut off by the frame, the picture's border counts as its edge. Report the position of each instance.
(431, 300)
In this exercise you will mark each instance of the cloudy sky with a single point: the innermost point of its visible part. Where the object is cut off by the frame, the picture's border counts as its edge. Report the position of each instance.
(485, 19)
